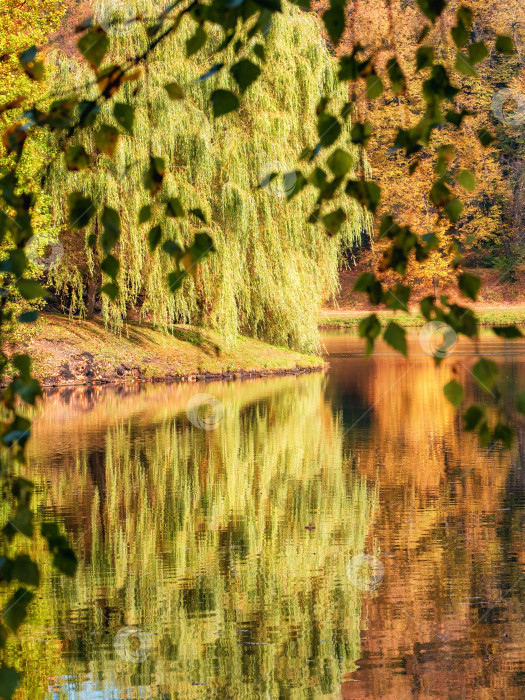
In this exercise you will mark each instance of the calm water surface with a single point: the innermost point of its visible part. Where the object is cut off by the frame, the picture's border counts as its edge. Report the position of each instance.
(333, 536)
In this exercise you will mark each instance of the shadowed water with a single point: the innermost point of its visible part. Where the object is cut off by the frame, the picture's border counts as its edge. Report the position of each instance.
(228, 562)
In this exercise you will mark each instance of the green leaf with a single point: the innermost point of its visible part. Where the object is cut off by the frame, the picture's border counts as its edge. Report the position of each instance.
(65, 559)
(244, 73)
(106, 139)
(174, 90)
(467, 180)
(175, 280)
(154, 237)
(396, 75)
(172, 248)
(174, 208)
(258, 50)
(334, 221)
(477, 52)
(469, 285)
(503, 433)
(474, 417)
(485, 372)
(124, 115)
(456, 118)
(196, 211)
(340, 162)
(94, 46)
(28, 56)
(30, 390)
(366, 193)
(368, 283)
(25, 570)
(31, 289)
(111, 289)
(111, 224)
(76, 158)
(395, 336)
(454, 393)
(485, 137)
(23, 364)
(154, 175)
(223, 102)
(369, 328)
(15, 610)
(504, 44)
(432, 8)
(374, 86)
(454, 209)
(196, 42)
(9, 681)
(28, 317)
(361, 133)
(397, 298)
(465, 66)
(424, 57)
(110, 265)
(81, 210)
(21, 523)
(334, 21)
(201, 247)
(328, 129)
(507, 331)
(144, 214)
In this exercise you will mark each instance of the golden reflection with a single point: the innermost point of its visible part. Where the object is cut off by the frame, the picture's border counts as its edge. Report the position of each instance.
(229, 547)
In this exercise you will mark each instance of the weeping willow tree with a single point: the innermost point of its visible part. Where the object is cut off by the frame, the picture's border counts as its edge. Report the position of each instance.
(272, 270)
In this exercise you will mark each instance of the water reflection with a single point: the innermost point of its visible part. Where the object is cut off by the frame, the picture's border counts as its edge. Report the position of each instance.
(449, 622)
(231, 549)
(228, 548)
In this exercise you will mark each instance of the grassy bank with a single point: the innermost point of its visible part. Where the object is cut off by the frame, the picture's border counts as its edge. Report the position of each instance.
(69, 351)
(351, 319)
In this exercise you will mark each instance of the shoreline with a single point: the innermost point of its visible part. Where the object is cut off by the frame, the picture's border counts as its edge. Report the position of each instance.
(188, 379)
(345, 318)
(68, 352)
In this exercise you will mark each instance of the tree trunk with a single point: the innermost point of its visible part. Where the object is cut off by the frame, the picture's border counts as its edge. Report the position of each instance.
(91, 296)
(435, 283)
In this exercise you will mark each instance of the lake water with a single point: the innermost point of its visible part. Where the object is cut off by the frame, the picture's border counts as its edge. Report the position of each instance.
(332, 535)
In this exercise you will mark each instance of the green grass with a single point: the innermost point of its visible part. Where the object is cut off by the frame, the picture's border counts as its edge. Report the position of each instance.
(485, 318)
(59, 342)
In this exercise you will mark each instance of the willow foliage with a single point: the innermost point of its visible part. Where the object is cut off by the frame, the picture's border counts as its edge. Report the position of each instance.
(272, 270)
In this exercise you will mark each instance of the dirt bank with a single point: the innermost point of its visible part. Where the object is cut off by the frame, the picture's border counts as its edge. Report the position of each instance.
(70, 352)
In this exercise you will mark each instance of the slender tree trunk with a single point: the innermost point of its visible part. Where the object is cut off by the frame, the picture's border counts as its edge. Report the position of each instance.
(435, 283)
(91, 296)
